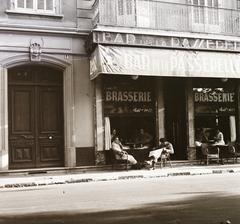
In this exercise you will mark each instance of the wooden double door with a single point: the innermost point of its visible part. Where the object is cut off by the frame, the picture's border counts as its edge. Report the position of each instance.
(35, 117)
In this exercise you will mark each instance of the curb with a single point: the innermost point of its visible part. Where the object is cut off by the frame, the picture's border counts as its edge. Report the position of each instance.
(94, 177)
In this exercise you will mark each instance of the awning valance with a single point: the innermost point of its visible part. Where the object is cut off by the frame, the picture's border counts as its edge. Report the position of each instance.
(163, 62)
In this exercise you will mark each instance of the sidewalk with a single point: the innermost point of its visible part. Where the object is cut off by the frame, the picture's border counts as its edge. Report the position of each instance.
(11, 181)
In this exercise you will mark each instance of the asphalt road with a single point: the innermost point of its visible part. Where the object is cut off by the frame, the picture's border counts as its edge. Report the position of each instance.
(171, 200)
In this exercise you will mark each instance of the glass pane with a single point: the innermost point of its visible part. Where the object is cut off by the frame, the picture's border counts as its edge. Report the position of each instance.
(120, 7)
(195, 2)
(129, 7)
(238, 4)
(201, 2)
(40, 4)
(209, 3)
(29, 4)
(216, 3)
(49, 4)
(20, 3)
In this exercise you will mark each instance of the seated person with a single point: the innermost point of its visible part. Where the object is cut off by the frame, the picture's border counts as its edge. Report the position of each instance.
(134, 137)
(163, 150)
(219, 139)
(143, 138)
(114, 133)
(119, 153)
(200, 137)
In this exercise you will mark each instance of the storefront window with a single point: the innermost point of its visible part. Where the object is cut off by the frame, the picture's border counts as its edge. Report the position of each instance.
(129, 105)
(215, 106)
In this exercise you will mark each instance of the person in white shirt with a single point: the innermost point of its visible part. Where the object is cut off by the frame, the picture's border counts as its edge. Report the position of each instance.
(164, 148)
(121, 154)
(219, 138)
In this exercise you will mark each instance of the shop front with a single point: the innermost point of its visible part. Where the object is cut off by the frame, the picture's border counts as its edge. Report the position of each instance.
(131, 104)
(168, 92)
(216, 107)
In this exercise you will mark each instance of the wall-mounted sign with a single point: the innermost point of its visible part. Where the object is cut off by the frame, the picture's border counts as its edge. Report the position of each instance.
(189, 43)
(213, 100)
(163, 62)
(128, 101)
(214, 97)
(131, 96)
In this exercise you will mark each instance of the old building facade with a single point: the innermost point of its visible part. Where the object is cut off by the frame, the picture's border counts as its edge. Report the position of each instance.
(46, 94)
(71, 71)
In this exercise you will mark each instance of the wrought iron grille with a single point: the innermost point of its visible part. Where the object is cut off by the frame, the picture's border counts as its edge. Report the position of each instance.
(166, 16)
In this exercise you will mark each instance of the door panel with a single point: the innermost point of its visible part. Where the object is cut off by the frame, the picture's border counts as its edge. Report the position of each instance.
(21, 126)
(35, 118)
(50, 129)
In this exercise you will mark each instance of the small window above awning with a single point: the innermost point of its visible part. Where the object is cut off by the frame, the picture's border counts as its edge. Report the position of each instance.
(163, 62)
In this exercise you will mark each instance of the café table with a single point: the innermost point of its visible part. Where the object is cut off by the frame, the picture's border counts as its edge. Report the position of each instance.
(140, 153)
(223, 151)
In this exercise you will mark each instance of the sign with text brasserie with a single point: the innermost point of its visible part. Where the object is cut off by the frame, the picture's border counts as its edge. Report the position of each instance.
(214, 102)
(130, 102)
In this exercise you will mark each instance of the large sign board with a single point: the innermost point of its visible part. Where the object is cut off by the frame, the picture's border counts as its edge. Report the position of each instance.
(180, 42)
(163, 62)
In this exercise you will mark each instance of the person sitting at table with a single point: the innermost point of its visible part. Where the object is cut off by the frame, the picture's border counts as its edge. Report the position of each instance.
(219, 138)
(113, 134)
(143, 138)
(134, 137)
(200, 137)
(121, 154)
(164, 149)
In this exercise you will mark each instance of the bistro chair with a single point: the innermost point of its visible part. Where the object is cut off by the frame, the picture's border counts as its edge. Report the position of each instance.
(233, 151)
(164, 158)
(116, 161)
(209, 153)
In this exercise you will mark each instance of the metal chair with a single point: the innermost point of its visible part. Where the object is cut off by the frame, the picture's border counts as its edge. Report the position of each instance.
(233, 151)
(163, 158)
(116, 161)
(210, 153)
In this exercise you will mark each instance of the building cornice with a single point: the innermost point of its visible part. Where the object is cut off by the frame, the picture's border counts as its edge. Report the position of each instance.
(44, 29)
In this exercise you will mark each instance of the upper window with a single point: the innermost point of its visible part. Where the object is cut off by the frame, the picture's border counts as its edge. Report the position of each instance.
(210, 3)
(36, 5)
(238, 4)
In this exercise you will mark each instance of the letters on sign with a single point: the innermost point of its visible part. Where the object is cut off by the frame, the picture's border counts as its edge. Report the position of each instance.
(214, 97)
(124, 96)
(166, 41)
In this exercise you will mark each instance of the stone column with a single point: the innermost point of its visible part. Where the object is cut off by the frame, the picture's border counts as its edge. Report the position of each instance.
(99, 123)
(191, 153)
(160, 110)
(4, 164)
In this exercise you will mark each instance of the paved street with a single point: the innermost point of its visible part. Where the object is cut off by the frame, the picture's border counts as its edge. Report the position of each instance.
(181, 199)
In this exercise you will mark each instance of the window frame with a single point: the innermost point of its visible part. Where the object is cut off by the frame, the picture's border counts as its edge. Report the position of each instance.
(238, 4)
(35, 7)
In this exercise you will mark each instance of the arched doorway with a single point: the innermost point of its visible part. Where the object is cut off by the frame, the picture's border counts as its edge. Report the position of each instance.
(35, 103)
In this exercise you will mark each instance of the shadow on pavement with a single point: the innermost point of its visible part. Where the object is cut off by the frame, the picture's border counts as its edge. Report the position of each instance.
(206, 208)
